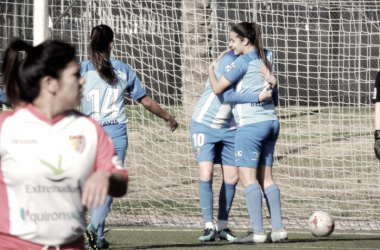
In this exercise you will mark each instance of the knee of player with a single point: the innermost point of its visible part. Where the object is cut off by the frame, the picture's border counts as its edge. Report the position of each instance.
(265, 180)
(205, 175)
(231, 179)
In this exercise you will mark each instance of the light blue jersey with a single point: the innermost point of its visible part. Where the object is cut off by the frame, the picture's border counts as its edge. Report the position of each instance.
(244, 72)
(211, 109)
(105, 102)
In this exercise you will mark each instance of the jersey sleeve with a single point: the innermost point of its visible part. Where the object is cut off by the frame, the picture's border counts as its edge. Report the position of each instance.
(4, 98)
(134, 87)
(230, 95)
(376, 91)
(106, 157)
(235, 71)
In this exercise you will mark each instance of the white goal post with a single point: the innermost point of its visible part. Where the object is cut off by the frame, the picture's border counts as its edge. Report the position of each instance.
(326, 57)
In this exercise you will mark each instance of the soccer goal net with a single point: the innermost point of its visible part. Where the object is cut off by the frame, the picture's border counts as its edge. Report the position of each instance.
(326, 57)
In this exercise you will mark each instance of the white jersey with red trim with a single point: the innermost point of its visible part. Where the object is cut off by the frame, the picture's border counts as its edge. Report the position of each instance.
(44, 166)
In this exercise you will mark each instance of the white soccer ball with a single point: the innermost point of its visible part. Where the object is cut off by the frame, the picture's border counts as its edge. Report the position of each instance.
(321, 224)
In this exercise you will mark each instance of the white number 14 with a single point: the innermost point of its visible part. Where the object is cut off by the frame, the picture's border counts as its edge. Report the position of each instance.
(109, 103)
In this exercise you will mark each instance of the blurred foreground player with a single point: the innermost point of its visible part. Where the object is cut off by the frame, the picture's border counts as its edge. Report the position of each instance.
(54, 161)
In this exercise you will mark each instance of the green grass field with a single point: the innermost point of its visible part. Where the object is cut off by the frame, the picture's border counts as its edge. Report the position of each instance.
(124, 238)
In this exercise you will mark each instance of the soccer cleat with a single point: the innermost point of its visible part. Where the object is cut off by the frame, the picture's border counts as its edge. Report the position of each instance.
(92, 240)
(103, 244)
(277, 235)
(209, 235)
(226, 234)
(252, 236)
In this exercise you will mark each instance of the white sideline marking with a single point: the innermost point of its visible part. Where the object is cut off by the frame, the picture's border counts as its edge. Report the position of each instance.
(195, 230)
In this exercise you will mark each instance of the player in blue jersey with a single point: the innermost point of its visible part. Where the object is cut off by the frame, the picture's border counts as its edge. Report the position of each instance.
(257, 131)
(213, 130)
(107, 81)
(4, 98)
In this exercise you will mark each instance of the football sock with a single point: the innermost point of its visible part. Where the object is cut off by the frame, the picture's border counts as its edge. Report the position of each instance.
(226, 197)
(209, 225)
(221, 225)
(272, 196)
(99, 214)
(206, 200)
(253, 199)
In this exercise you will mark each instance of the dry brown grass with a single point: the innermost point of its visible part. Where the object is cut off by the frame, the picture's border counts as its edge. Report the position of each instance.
(324, 161)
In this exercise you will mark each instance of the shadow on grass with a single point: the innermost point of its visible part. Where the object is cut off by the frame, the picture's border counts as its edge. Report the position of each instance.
(326, 240)
(216, 245)
(174, 246)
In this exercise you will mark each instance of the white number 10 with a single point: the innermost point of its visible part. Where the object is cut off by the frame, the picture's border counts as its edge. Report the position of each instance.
(109, 103)
(199, 140)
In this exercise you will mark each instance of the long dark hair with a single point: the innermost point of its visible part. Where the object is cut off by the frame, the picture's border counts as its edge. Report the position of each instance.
(252, 32)
(101, 37)
(22, 77)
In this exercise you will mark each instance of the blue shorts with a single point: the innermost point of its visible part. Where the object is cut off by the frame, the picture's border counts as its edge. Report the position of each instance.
(210, 144)
(255, 143)
(118, 134)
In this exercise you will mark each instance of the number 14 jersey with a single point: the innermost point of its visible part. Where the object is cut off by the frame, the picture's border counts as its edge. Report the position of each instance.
(105, 102)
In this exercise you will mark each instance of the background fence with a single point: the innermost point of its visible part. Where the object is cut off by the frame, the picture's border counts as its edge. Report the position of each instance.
(326, 59)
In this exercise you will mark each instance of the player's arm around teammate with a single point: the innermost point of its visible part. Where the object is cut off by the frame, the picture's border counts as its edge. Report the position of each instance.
(213, 131)
(376, 100)
(257, 131)
(51, 156)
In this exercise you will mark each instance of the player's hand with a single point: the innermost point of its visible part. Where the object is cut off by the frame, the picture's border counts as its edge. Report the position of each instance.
(268, 76)
(377, 144)
(96, 189)
(221, 54)
(172, 123)
(212, 65)
(266, 93)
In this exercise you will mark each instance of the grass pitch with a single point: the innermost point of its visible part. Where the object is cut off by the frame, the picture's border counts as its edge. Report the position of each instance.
(126, 238)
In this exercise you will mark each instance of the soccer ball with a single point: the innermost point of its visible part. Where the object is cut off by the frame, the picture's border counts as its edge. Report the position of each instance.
(321, 224)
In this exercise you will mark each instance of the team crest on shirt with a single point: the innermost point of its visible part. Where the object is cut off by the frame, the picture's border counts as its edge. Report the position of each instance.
(197, 152)
(256, 156)
(78, 142)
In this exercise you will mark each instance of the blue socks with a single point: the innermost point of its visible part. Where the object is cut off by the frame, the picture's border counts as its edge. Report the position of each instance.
(254, 202)
(206, 198)
(272, 196)
(99, 214)
(226, 197)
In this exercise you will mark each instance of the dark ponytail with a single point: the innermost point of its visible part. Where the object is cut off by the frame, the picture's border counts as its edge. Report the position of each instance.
(101, 37)
(10, 68)
(252, 32)
(22, 77)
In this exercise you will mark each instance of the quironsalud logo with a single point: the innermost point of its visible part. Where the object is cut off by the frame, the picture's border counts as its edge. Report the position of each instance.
(24, 213)
(51, 216)
(56, 170)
